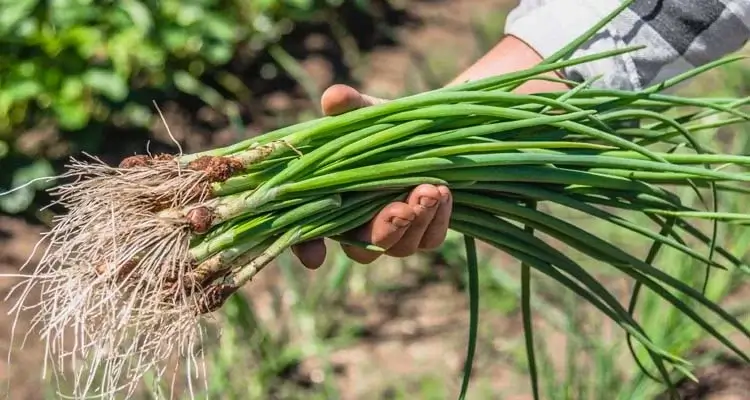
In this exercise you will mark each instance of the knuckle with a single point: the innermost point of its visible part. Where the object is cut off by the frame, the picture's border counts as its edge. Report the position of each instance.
(397, 208)
(433, 239)
(403, 249)
(430, 244)
(401, 252)
(424, 216)
(426, 190)
(364, 260)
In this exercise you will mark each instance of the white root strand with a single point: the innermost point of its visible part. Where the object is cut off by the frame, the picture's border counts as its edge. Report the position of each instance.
(113, 325)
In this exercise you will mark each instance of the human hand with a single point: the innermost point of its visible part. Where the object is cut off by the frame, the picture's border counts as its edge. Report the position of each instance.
(401, 228)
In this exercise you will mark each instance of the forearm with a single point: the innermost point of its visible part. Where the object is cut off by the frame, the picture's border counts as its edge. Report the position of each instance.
(510, 55)
(678, 36)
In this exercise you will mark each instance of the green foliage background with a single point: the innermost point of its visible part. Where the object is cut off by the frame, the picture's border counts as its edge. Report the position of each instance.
(81, 67)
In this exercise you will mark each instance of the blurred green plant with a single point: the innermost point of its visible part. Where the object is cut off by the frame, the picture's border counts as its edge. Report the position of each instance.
(80, 66)
(595, 367)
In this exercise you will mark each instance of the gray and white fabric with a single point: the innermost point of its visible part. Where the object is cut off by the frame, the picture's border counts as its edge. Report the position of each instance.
(678, 34)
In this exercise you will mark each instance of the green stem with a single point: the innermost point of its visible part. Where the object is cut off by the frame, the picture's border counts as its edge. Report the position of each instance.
(506, 160)
(264, 226)
(472, 265)
(528, 325)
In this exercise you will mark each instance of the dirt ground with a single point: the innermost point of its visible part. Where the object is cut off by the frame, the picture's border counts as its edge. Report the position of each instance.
(433, 313)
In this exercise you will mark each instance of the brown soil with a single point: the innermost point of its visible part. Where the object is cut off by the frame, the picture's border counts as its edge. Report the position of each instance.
(17, 240)
(729, 380)
(418, 330)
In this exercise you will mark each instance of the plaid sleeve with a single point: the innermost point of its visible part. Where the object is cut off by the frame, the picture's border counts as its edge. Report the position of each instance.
(678, 35)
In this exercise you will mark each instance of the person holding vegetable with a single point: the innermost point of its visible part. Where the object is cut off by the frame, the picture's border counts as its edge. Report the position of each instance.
(678, 35)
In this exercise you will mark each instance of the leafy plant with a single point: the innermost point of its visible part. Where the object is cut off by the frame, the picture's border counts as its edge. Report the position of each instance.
(82, 66)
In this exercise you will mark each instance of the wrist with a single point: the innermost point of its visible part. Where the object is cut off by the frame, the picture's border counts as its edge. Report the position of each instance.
(511, 54)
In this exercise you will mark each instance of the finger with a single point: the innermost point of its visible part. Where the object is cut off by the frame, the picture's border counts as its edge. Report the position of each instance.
(339, 99)
(384, 230)
(436, 232)
(424, 200)
(311, 254)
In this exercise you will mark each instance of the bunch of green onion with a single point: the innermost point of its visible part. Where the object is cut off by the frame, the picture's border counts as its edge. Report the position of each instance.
(605, 153)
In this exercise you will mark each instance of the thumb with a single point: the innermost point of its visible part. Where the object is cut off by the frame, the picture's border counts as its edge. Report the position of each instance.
(339, 99)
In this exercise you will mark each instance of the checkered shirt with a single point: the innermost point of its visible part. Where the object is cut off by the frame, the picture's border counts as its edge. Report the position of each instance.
(678, 34)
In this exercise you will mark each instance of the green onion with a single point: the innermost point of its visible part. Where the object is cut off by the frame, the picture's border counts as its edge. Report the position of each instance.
(149, 248)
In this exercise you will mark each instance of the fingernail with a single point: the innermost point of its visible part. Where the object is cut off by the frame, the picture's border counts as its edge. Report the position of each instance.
(400, 222)
(427, 202)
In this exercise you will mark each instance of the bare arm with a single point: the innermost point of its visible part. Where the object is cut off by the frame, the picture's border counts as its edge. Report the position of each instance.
(511, 54)
(678, 35)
